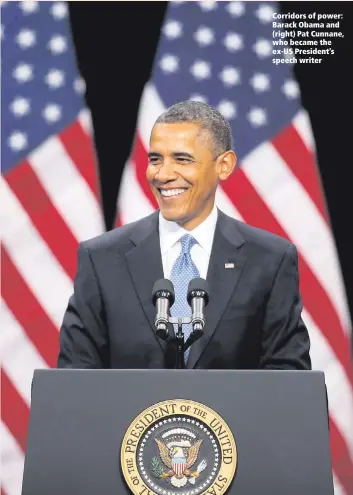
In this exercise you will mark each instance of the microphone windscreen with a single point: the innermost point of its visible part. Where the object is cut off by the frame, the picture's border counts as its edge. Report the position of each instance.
(163, 288)
(198, 284)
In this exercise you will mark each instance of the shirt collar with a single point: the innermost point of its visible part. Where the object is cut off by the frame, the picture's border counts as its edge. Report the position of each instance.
(171, 232)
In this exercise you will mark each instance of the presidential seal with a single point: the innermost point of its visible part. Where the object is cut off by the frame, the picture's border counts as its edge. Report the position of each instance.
(178, 447)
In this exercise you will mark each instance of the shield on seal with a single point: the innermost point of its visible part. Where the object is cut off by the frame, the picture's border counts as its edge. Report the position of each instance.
(179, 465)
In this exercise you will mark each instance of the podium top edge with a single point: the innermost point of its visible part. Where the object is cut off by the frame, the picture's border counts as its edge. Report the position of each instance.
(162, 370)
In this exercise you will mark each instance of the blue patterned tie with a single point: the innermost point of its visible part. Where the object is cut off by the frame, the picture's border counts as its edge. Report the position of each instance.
(184, 270)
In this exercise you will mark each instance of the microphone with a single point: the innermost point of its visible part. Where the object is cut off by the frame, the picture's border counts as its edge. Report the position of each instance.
(163, 298)
(198, 297)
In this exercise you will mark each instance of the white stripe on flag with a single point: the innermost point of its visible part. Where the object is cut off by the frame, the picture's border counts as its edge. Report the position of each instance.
(338, 387)
(298, 216)
(13, 458)
(133, 204)
(32, 257)
(150, 109)
(66, 187)
(301, 123)
(19, 356)
(85, 119)
(339, 490)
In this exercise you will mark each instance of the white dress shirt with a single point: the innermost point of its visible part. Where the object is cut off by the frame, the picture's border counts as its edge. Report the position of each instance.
(170, 234)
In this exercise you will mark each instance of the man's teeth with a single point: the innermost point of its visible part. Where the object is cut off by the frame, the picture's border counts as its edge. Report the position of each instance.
(172, 192)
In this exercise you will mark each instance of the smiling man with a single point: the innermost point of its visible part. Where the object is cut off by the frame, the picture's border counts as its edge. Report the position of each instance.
(253, 319)
(187, 160)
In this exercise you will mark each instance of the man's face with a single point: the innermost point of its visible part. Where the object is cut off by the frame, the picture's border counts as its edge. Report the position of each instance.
(183, 172)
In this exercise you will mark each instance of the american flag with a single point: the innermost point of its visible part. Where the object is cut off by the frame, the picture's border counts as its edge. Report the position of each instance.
(50, 202)
(221, 53)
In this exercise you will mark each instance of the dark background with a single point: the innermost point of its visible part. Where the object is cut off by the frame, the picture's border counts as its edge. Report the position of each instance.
(116, 43)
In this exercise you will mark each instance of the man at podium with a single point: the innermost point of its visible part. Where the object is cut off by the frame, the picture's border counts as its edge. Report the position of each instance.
(253, 316)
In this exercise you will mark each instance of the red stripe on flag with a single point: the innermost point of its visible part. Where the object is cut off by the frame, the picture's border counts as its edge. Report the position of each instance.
(343, 464)
(78, 146)
(139, 157)
(15, 412)
(301, 161)
(43, 214)
(256, 213)
(28, 312)
(118, 221)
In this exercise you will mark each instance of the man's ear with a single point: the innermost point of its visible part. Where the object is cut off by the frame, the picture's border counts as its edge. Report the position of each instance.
(226, 164)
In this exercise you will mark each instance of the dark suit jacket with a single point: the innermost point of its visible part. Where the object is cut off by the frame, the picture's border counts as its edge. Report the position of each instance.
(253, 319)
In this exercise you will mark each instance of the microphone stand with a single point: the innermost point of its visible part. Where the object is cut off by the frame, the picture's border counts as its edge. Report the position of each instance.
(179, 345)
(178, 340)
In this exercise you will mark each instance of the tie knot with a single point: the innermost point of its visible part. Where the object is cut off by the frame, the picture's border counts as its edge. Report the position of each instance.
(187, 241)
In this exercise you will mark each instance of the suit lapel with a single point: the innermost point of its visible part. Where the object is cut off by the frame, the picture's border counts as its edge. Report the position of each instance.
(222, 281)
(145, 265)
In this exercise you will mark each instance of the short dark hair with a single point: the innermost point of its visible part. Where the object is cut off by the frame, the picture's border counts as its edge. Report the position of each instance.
(206, 116)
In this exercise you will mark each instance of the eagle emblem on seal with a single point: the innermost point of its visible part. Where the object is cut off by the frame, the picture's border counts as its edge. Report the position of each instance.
(178, 450)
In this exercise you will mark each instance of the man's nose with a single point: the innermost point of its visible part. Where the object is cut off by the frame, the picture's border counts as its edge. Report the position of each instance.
(166, 172)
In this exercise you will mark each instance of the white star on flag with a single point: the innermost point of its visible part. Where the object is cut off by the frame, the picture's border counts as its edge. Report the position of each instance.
(55, 78)
(197, 97)
(260, 82)
(20, 107)
(208, 5)
(227, 109)
(57, 45)
(230, 76)
(29, 6)
(204, 36)
(173, 30)
(80, 85)
(291, 89)
(17, 141)
(26, 38)
(23, 73)
(235, 9)
(257, 117)
(52, 113)
(59, 10)
(265, 13)
(169, 63)
(233, 42)
(262, 48)
(201, 69)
